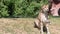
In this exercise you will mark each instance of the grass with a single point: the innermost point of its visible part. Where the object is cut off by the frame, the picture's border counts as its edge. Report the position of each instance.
(26, 26)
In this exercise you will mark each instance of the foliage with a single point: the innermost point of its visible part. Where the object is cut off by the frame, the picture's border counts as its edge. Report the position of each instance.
(20, 8)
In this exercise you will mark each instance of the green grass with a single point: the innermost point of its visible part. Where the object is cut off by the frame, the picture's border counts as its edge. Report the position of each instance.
(26, 26)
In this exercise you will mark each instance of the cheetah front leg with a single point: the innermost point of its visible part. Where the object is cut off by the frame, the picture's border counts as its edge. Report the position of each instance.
(48, 32)
(41, 28)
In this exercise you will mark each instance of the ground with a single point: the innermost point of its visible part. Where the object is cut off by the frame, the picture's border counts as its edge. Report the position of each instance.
(25, 26)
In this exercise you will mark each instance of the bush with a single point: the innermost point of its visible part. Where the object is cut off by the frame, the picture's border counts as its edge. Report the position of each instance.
(20, 8)
(3, 10)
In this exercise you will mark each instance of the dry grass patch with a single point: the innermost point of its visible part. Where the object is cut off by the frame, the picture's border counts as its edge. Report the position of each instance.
(25, 26)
